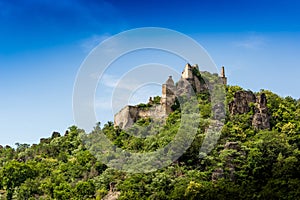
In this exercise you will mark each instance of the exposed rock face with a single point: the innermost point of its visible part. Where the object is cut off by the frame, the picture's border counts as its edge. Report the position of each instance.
(241, 101)
(130, 114)
(241, 105)
(126, 117)
(261, 118)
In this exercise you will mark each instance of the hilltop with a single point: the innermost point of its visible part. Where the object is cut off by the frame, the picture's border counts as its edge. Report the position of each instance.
(192, 82)
(256, 157)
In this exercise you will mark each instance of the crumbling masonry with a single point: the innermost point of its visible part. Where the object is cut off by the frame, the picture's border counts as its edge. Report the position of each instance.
(127, 116)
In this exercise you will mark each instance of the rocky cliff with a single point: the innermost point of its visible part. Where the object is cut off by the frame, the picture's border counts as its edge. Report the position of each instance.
(242, 104)
(261, 118)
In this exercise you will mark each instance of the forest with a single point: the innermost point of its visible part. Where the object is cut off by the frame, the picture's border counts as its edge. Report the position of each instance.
(246, 163)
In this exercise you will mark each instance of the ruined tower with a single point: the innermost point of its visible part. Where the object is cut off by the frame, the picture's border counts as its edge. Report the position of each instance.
(223, 77)
(191, 79)
(187, 72)
(168, 95)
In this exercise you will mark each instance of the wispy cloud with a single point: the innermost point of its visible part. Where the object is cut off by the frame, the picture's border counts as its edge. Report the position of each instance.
(124, 83)
(90, 43)
(252, 42)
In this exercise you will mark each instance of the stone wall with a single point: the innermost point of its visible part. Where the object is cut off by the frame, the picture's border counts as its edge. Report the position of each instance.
(126, 117)
(130, 114)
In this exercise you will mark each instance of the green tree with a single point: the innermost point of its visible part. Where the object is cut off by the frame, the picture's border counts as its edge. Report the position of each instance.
(85, 189)
(13, 174)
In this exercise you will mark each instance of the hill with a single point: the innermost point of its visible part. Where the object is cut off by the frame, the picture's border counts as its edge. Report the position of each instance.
(256, 157)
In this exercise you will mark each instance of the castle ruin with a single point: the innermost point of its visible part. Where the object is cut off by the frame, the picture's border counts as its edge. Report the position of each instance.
(190, 76)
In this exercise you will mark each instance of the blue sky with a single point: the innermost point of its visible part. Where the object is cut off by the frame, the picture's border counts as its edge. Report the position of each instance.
(42, 45)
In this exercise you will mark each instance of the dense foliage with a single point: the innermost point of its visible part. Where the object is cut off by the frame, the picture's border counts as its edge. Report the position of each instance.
(262, 164)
